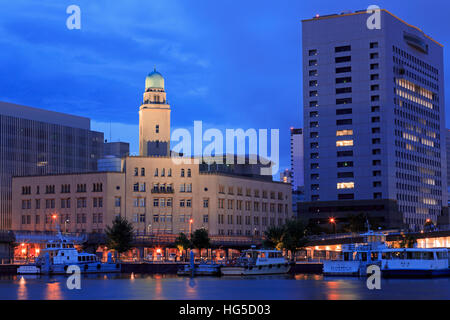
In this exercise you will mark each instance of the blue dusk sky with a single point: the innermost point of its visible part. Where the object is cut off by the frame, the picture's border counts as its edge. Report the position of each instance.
(230, 64)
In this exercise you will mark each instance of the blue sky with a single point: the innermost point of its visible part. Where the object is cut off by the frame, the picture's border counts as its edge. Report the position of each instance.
(231, 64)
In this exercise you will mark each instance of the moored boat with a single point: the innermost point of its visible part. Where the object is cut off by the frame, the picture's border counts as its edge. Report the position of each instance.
(355, 258)
(257, 262)
(415, 263)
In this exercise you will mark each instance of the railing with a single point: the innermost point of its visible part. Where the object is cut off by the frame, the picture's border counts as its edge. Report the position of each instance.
(45, 236)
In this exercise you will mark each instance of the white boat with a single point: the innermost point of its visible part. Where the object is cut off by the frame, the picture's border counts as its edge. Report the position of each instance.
(355, 258)
(58, 255)
(414, 262)
(257, 262)
(28, 269)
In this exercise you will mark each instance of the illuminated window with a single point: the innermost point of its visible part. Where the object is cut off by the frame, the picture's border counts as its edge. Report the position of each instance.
(342, 133)
(345, 185)
(344, 143)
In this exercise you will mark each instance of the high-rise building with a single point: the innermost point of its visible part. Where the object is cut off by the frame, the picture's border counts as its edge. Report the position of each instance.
(35, 141)
(297, 161)
(374, 120)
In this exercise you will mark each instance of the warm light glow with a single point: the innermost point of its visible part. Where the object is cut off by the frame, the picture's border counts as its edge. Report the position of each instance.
(342, 133)
(54, 216)
(191, 221)
(158, 250)
(344, 143)
(346, 185)
(332, 220)
(23, 251)
(22, 244)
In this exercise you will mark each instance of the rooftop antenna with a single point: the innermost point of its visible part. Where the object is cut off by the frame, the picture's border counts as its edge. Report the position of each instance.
(110, 131)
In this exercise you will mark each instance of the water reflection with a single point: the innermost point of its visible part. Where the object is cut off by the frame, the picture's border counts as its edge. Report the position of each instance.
(53, 291)
(22, 291)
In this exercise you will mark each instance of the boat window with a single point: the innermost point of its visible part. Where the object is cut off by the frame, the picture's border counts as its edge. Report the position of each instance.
(442, 255)
(374, 256)
(262, 255)
(279, 255)
(427, 255)
(62, 254)
(79, 258)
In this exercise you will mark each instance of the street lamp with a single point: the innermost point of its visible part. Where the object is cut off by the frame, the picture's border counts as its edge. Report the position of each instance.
(333, 221)
(190, 227)
(148, 227)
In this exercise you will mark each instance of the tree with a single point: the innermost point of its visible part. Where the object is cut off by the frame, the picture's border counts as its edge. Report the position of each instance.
(200, 239)
(182, 242)
(120, 235)
(274, 237)
(294, 237)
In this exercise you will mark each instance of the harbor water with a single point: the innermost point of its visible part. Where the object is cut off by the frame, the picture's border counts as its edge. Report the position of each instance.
(171, 287)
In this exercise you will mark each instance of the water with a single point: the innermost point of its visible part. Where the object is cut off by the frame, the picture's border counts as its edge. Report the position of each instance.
(289, 287)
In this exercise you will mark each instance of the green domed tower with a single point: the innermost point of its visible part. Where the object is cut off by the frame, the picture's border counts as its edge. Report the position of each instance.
(154, 118)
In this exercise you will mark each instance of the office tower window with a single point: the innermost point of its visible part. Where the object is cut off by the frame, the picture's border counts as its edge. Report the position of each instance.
(346, 164)
(312, 52)
(313, 114)
(374, 55)
(313, 83)
(343, 59)
(373, 45)
(343, 80)
(341, 133)
(343, 69)
(344, 122)
(344, 111)
(344, 143)
(374, 77)
(313, 103)
(344, 101)
(313, 73)
(314, 135)
(343, 90)
(344, 175)
(348, 196)
(342, 49)
(312, 63)
(345, 185)
(342, 154)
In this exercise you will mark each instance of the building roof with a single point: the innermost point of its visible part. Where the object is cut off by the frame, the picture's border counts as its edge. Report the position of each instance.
(345, 14)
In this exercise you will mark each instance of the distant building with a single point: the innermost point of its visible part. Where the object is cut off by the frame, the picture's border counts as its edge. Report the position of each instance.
(286, 176)
(153, 192)
(35, 141)
(374, 116)
(116, 149)
(297, 158)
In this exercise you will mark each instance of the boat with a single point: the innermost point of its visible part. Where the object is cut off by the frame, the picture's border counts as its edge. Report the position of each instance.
(203, 269)
(356, 258)
(28, 269)
(257, 262)
(414, 262)
(60, 254)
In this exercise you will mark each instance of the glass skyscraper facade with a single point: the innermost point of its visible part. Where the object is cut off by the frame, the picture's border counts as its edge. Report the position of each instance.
(38, 142)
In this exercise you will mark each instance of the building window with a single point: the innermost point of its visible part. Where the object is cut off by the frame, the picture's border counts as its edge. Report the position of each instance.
(345, 185)
(205, 203)
(344, 143)
(157, 128)
(342, 133)
(342, 49)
